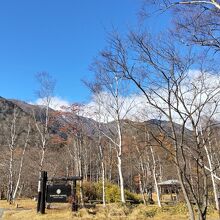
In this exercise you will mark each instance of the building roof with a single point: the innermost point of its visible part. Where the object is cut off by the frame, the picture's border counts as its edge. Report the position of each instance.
(169, 182)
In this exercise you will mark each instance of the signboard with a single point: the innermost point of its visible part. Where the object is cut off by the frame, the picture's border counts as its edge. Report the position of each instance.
(58, 193)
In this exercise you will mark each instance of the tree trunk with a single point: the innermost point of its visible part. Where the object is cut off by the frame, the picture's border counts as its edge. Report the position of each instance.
(110, 163)
(185, 194)
(19, 178)
(102, 171)
(119, 153)
(155, 178)
(21, 162)
(10, 183)
(42, 158)
(103, 183)
(215, 191)
(121, 179)
(141, 189)
(79, 148)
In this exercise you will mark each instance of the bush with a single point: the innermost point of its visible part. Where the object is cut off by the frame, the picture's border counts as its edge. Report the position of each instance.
(93, 191)
(112, 193)
(90, 191)
(132, 196)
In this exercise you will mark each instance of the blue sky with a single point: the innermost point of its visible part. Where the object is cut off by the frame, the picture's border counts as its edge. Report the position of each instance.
(58, 36)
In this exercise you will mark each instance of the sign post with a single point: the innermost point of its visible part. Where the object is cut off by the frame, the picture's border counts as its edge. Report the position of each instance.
(41, 192)
(74, 199)
(56, 192)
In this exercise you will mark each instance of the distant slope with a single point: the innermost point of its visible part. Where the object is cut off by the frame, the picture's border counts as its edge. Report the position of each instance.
(86, 125)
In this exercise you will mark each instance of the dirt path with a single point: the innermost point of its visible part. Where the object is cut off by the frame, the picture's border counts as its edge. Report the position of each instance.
(1, 212)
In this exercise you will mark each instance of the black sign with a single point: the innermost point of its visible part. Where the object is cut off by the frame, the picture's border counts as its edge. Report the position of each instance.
(58, 193)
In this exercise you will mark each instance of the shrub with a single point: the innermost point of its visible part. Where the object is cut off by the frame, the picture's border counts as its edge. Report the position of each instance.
(112, 193)
(93, 191)
(90, 191)
(132, 196)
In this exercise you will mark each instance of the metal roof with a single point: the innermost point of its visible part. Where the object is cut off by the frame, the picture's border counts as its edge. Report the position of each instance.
(170, 182)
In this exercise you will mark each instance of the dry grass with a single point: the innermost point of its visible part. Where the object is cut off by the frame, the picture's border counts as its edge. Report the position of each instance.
(25, 203)
(31, 214)
(27, 211)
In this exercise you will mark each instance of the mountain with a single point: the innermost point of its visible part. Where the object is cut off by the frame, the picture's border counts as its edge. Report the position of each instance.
(7, 107)
(87, 125)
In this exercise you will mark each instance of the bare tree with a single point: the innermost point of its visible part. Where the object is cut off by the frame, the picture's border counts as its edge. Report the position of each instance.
(195, 22)
(154, 171)
(101, 147)
(171, 3)
(110, 81)
(12, 144)
(78, 143)
(16, 138)
(42, 118)
(26, 141)
(162, 75)
(142, 176)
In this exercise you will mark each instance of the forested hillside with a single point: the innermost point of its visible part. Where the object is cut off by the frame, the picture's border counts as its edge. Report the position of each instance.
(73, 148)
(72, 139)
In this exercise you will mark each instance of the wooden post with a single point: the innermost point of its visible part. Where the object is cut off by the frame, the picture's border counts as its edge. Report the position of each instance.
(74, 201)
(43, 192)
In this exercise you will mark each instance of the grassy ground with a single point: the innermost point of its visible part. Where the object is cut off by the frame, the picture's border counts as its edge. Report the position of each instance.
(26, 210)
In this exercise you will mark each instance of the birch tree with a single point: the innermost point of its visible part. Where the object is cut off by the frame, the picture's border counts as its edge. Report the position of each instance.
(26, 142)
(162, 75)
(154, 171)
(12, 141)
(42, 117)
(101, 148)
(109, 78)
(17, 138)
(77, 143)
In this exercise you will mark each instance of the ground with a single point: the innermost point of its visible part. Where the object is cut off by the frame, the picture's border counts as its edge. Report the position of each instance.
(26, 210)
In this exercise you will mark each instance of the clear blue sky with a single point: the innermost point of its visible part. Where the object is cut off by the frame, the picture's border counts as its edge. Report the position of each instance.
(58, 36)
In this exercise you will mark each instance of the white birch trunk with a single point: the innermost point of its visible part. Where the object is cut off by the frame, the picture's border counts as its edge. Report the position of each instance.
(119, 153)
(47, 87)
(10, 183)
(121, 179)
(101, 155)
(79, 145)
(215, 191)
(103, 184)
(11, 145)
(155, 178)
(21, 162)
(141, 189)
(143, 172)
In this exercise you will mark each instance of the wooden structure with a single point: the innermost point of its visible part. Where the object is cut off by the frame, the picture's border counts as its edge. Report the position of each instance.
(169, 187)
(56, 190)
